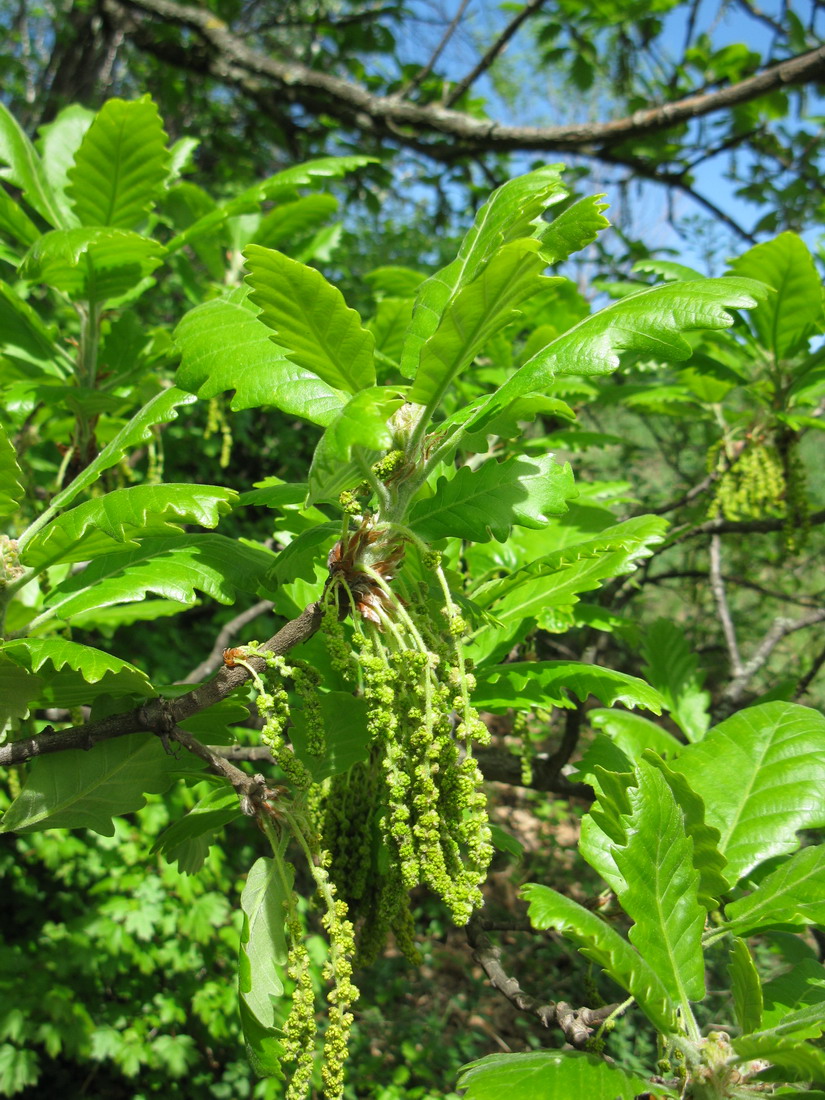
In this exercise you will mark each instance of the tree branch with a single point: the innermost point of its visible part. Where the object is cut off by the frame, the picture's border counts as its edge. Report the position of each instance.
(741, 582)
(530, 8)
(231, 61)
(717, 587)
(162, 716)
(779, 629)
(806, 681)
(722, 526)
(425, 70)
(251, 789)
(226, 635)
(576, 1023)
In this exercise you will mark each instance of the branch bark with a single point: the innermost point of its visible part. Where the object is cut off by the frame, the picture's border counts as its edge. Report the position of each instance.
(780, 628)
(577, 1024)
(230, 60)
(717, 587)
(162, 716)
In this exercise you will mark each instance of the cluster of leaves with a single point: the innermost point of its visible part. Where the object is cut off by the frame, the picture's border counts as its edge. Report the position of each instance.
(434, 487)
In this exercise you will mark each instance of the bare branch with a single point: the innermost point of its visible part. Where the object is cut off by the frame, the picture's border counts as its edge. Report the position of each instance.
(722, 526)
(780, 628)
(717, 587)
(228, 59)
(741, 582)
(425, 70)
(251, 789)
(161, 716)
(576, 1023)
(810, 675)
(530, 8)
(226, 635)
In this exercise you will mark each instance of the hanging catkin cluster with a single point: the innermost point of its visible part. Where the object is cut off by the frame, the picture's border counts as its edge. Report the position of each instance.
(423, 779)
(766, 481)
(411, 813)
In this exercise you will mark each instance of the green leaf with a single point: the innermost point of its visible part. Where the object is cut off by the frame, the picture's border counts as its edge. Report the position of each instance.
(347, 739)
(555, 580)
(14, 221)
(187, 842)
(24, 336)
(503, 841)
(671, 666)
(25, 169)
(175, 569)
(800, 1061)
(299, 558)
(707, 859)
(793, 894)
(512, 212)
(107, 674)
(776, 751)
(484, 503)
(58, 142)
(17, 690)
(549, 1073)
(19, 1068)
(359, 431)
(225, 347)
(796, 1000)
(604, 826)
(11, 491)
(83, 790)
(633, 733)
(91, 264)
(161, 409)
(99, 525)
(290, 221)
(120, 166)
(277, 186)
(650, 324)
(601, 943)
(746, 988)
(392, 316)
(662, 886)
(574, 229)
(394, 281)
(474, 314)
(311, 320)
(524, 684)
(789, 317)
(263, 939)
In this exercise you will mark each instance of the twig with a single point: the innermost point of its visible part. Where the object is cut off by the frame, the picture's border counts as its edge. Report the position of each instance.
(717, 587)
(741, 582)
(780, 628)
(225, 636)
(810, 675)
(728, 527)
(161, 716)
(251, 789)
(687, 497)
(418, 78)
(577, 1024)
(493, 52)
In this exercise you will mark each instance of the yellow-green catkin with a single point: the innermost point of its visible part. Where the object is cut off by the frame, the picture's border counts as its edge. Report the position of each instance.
(753, 488)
